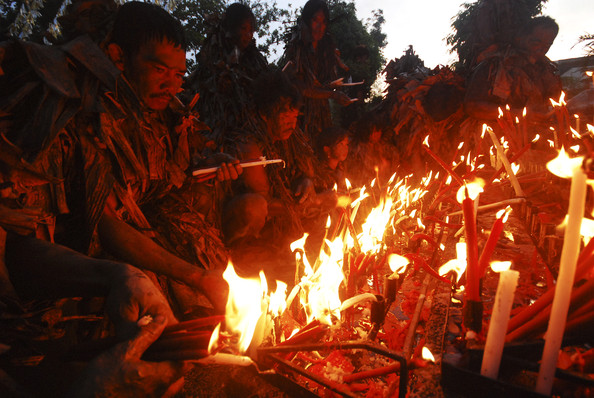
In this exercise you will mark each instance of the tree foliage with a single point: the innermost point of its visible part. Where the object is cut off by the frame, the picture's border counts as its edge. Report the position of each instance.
(588, 42)
(485, 22)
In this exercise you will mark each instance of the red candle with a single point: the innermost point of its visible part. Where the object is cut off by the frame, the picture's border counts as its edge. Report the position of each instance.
(467, 199)
(444, 165)
(472, 274)
(489, 248)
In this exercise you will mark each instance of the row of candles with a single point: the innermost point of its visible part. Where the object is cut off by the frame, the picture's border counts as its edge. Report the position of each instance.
(476, 267)
(468, 198)
(508, 278)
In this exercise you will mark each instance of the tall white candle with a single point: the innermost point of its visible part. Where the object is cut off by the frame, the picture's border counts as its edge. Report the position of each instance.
(504, 299)
(568, 261)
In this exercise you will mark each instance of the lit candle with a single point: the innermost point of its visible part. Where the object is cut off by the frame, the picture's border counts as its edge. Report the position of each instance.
(466, 198)
(504, 299)
(441, 162)
(523, 126)
(473, 308)
(397, 264)
(567, 266)
(496, 231)
(512, 176)
(577, 123)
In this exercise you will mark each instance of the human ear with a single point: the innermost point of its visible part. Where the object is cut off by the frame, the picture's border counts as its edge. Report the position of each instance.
(116, 54)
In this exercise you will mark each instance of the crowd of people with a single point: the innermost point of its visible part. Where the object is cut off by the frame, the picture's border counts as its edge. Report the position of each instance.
(100, 136)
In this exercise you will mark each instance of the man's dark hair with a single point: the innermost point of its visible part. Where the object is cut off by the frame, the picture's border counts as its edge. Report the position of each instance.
(137, 23)
(311, 8)
(541, 21)
(330, 137)
(235, 15)
(273, 88)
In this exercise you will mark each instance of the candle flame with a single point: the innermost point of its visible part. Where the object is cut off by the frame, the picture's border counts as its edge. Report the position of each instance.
(561, 101)
(563, 166)
(214, 339)
(397, 263)
(504, 213)
(515, 168)
(427, 355)
(470, 190)
(500, 266)
(457, 265)
(244, 306)
(575, 133)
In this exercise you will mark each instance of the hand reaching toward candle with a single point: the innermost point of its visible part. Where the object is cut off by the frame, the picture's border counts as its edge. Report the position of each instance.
(304, 190)
(216, 289)
(120, 371)
(133, 296)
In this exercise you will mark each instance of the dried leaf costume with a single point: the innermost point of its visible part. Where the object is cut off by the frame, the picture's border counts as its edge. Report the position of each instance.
(224, 79)
(76, 118)
(55, 179)
(299, 163)
(312, 68)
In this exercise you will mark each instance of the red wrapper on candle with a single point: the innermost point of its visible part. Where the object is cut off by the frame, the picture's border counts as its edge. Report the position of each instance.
(472, 272)
(489, 248)
(444, 165)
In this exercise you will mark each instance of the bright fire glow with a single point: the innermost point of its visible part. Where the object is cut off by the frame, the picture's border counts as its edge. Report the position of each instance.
(244, 306)
(563, 166)
(473, 189)
(504, 213)
(397, 263)
(458, 265)
(500, 266)
(319, 289)
(561, 101)
(427, 355)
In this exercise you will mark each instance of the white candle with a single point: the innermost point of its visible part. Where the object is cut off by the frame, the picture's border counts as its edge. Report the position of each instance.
(568, 261)
(512, 176)
(504, 299)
